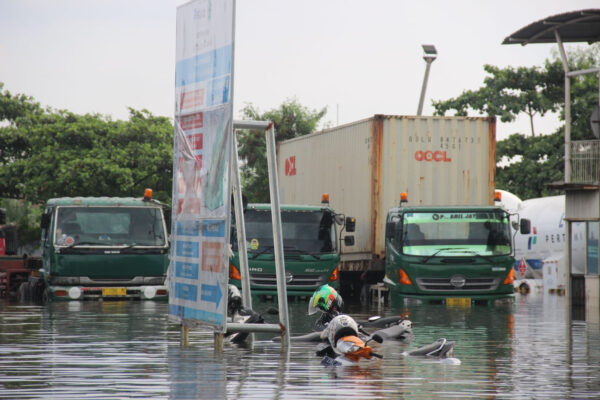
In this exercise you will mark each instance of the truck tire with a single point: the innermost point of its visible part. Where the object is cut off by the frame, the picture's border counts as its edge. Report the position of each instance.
(37, 289)
(45, 297)
(24, 294)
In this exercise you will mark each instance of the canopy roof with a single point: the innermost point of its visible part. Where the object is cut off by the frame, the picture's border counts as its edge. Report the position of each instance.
(573, 26)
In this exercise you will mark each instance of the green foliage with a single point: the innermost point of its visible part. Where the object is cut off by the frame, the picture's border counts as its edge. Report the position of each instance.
(55, 153)
(533, 161)
(47, 153)
(510, 91)
(290, 120)
(539, 161)
(26, 217)
(584, 91)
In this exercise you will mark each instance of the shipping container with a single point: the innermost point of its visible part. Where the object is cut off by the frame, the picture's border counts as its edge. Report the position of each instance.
(365, 165)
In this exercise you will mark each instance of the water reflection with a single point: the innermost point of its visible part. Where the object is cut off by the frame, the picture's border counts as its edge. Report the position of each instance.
(115, 350)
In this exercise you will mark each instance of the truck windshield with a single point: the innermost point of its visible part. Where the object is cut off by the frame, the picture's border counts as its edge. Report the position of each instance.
(311, 232)
(455, 233)
(109, 226)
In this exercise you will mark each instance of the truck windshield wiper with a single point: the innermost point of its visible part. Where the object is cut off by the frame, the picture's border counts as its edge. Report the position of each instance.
(83, 244)
(429, 257)
(462, 250)
(478, 255)
(294, 249)
(289, 248)
(263, 251)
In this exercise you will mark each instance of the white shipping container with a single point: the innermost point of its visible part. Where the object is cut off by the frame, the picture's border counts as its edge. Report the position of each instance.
(365, 165)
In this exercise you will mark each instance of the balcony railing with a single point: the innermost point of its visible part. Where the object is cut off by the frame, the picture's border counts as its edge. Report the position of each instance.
(585, 161)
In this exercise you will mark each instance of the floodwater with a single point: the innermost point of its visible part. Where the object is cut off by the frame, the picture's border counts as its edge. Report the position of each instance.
(117, 350)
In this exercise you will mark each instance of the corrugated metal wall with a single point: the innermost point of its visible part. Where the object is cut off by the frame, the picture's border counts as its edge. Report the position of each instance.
(438, 161)
(365, 165)
(337, 162)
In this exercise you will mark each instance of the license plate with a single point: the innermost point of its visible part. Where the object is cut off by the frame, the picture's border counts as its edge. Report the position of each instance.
(114, 292)
(458, 301)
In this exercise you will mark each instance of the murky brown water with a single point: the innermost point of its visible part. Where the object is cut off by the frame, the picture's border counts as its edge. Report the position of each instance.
(116, 350)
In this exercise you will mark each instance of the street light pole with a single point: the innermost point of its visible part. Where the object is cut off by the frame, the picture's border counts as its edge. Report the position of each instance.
(429, 56)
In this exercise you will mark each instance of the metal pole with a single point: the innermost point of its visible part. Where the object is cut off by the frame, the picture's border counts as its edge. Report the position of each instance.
(219, 342)
(568, 288)
(565, 63)
(185, 335)
(240, 226)
(251, 125)
(277, 236)
(424, 87)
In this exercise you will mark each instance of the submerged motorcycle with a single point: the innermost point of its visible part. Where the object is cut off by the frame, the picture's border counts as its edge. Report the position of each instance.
(344, 346)
(387, 328)
(441, 349)
(239, 314)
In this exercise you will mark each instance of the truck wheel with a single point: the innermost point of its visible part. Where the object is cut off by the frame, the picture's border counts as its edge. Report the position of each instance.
(364, 294)
(24, 292)
(45, 297)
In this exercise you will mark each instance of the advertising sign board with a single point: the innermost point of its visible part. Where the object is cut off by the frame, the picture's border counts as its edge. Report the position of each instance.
(201, 152)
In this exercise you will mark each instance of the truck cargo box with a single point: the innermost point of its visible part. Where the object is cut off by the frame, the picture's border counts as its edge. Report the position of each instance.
(365, 165)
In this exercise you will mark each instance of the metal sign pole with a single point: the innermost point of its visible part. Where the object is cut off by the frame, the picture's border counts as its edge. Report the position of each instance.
(240, 226)
(563, 56)
(241, 233)
(277, 236)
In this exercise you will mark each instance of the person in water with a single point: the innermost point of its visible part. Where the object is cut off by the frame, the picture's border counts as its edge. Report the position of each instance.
(327, 300)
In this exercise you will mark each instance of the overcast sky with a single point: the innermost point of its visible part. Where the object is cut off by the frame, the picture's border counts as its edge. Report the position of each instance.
(357, 58)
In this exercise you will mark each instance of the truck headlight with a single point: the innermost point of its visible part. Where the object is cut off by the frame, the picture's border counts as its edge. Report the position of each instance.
(149, 292)
(74, 293)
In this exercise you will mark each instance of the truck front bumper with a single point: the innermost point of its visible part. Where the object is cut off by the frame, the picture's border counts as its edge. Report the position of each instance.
(454, 299)
(109, 293)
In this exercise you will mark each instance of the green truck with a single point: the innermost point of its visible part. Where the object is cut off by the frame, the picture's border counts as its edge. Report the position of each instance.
(452, 255)
(102, 248)
(311, 248)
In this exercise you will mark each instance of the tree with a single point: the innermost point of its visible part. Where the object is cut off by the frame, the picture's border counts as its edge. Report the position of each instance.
(290, 120)
(527, 164)
(26, 217)
(47, 153)
(537, 161)
(510, 91)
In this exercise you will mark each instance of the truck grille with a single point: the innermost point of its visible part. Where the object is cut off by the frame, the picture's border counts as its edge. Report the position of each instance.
(444, 284)
(270, 280)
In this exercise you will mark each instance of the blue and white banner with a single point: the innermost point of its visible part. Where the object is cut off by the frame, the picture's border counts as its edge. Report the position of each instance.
(199, 270)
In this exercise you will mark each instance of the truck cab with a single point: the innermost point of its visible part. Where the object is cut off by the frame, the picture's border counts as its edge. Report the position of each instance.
(101, 247)
(311, 248)
(449, 254)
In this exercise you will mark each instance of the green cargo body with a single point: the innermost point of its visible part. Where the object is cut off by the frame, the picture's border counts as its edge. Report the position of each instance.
(311, 249)
(452, 255)
(101, 247)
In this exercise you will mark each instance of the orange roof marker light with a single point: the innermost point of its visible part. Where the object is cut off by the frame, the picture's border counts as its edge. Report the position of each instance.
(325, 198)
(403, 197)
(147, 194)
(497, 196)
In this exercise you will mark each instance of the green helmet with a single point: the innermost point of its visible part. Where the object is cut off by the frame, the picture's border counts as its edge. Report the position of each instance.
(325, 299)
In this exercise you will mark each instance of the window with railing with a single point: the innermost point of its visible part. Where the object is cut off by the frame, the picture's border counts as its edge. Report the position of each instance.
(585, 161)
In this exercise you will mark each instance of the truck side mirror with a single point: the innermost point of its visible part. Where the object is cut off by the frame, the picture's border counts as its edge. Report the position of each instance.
(525, 226)
(350, 224)
(349, 240)
(389, 230)
(45, 224)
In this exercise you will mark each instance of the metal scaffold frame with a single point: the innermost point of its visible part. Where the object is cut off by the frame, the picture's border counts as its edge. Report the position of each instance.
(284, 326)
